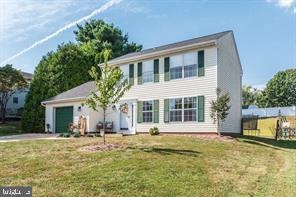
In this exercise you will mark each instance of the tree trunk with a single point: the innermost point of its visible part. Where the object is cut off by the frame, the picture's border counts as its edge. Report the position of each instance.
(104, 126)
(3, 115)
(218, 122)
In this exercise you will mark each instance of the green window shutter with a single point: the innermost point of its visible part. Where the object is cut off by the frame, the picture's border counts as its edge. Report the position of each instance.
(166, 111)
(167, 69)
(131, 74)
(156, 70)
(201, 108)
(201, 63)
(156, 111)
(140, 73)
(139, 111)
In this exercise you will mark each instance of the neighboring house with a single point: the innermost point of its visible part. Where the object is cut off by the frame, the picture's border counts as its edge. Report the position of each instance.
(172, 86)
(16, 102)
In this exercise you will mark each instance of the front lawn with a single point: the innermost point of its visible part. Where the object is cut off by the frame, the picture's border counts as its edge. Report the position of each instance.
(152, 166)
(10, 128)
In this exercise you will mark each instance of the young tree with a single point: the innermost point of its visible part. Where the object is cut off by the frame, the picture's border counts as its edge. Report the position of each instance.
(11, 80)
(110, 87)
(220, 109)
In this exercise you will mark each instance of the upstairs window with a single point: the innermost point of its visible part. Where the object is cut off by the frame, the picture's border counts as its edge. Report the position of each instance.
(176, 67)
(190, 64)
(15, 100)
(147, 72)
(147, 111)
(175, 107)
(125, 70)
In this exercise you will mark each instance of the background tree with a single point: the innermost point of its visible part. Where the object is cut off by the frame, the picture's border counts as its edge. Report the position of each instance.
(69, 66)
(250, 96)
(56, 72)
(220, 109)
(109, 88)
(280, 91)
(105, 36)
(11, 80)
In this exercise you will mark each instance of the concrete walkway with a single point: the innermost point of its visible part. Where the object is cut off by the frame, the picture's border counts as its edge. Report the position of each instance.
(28, 136)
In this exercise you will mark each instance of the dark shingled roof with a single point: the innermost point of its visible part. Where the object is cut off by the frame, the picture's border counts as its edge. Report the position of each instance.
(81, 91)
(174, 45)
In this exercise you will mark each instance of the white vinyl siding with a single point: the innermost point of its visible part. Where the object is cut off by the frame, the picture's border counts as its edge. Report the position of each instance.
(186, 87)
(229, 80)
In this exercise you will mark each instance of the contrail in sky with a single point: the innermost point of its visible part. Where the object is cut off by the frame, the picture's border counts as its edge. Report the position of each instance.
(95, 12)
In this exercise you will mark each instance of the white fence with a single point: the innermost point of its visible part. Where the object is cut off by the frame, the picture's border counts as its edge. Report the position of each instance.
(270, 112)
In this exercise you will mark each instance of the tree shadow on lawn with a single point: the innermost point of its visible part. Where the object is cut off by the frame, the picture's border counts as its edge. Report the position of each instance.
(167, 151)
(269, 142)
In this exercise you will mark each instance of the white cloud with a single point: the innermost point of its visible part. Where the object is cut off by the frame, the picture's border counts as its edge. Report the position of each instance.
(104, 7)
(20, 16)
(134, 7)
(286, 4)
(259, 86)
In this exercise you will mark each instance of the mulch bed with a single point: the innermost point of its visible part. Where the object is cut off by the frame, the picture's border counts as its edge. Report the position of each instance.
(102, 147)
(208, 137)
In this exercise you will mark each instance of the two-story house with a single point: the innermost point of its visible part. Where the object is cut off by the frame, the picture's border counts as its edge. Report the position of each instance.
(172, 87)
(16, 102)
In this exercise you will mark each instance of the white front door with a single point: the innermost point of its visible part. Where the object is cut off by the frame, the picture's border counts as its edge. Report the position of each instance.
(127, 119)
(124, 121)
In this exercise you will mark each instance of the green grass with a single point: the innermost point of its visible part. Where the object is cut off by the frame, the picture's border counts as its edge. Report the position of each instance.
(10, 128)
(152, 166)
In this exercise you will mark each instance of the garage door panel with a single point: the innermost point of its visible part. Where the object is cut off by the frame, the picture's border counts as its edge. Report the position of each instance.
(63, 116)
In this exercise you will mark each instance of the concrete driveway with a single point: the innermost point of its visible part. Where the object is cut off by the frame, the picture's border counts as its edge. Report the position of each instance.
(29, 136)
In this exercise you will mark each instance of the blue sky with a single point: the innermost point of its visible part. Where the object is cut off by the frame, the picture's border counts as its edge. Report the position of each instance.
(265, 30)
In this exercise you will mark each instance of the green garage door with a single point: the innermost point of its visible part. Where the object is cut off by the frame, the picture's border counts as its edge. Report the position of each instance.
(63, 116)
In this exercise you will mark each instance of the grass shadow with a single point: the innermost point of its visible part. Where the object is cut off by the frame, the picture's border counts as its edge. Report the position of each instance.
(269, 142)
(169, 151)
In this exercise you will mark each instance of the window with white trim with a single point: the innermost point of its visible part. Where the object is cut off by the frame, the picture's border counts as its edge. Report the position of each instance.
(175, 107)
(184, 65)
(125, 70)
(15, 100)
(147, 111)
(190, 64)
(147, 71)
(190, 109)
(176, 67)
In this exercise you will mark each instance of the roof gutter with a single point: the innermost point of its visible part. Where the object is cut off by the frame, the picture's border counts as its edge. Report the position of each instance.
(43, 103)
(161, 53)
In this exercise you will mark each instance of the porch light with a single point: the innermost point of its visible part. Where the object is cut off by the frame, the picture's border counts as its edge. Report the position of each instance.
(79, 108)
(115, 107)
